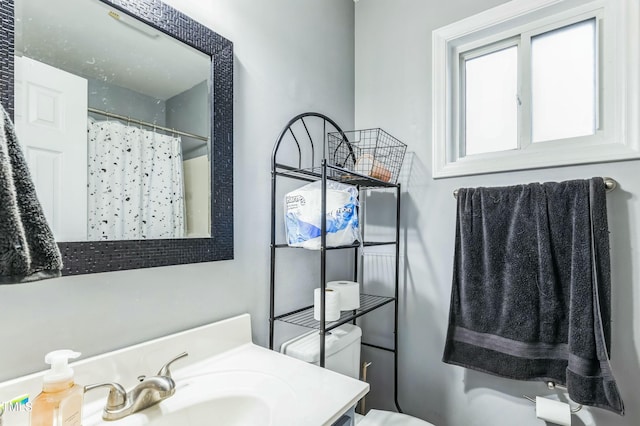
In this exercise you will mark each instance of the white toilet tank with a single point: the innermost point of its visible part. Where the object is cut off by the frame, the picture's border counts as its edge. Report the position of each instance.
(342, 349)
(342, 354)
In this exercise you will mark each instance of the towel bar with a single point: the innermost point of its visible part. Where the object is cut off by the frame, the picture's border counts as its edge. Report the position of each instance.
(609, 184)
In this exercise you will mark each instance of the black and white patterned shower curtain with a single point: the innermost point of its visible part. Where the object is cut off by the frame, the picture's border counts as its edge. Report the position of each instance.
(136, 188)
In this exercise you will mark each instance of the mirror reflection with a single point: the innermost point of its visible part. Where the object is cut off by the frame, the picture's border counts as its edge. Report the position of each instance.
(114, 119)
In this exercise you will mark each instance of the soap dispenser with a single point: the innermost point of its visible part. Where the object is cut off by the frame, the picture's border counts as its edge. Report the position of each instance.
(60, 402)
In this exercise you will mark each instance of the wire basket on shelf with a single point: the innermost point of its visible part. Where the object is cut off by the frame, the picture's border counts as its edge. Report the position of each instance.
(370, 152)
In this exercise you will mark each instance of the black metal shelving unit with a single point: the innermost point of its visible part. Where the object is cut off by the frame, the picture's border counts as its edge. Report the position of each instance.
(299, 131)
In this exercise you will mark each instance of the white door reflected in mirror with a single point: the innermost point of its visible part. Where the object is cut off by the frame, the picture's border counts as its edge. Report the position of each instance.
(112, 134)
(51, 123)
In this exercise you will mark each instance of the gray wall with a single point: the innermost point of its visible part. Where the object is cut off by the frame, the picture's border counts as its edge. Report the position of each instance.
(117, 99)
(189, 111)
(290, 56)
(393, 91)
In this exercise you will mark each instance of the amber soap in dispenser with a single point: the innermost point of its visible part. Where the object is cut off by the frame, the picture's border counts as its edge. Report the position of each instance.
(60, 402)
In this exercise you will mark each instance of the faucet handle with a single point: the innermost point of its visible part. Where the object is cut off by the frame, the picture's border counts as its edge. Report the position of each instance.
(164, 371)
(117, 395)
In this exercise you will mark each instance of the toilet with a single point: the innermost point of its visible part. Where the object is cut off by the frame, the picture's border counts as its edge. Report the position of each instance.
(342, 354)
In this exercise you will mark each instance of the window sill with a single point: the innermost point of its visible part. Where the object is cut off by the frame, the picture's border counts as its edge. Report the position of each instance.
(534, 159)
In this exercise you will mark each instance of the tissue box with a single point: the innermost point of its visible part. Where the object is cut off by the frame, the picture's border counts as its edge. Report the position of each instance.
(303, 215)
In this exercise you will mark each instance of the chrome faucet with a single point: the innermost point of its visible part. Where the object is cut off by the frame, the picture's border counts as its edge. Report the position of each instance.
(148, 392)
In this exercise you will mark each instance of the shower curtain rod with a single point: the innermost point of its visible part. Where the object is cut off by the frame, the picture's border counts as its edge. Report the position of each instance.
(144, 123)
(609, 184)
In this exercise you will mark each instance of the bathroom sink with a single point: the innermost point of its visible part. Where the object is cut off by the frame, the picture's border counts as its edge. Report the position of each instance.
(236, 410)
(226, 380)
(230, 410)
(230, 397)
(248, 385)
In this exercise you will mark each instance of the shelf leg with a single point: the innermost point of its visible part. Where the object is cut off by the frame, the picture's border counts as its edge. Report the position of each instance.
(396, 304)
(272, 283)
(356, 249)
(323, 261)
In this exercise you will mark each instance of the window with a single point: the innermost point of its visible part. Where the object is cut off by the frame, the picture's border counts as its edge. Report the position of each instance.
(490, 101)
(564, 82)
(535, 83)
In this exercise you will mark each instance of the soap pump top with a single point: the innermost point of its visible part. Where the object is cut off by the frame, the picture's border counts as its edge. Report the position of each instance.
(60, 402)
(60, 371)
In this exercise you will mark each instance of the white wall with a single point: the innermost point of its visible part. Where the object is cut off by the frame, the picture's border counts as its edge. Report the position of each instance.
(291, 56)
(393, 91)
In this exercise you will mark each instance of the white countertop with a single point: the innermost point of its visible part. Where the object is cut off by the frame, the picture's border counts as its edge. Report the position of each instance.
(222, 362)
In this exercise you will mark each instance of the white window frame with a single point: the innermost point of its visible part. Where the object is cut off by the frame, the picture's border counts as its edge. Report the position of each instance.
(617, 100)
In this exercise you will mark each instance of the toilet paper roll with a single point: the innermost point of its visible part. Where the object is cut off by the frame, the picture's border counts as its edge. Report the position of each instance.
(349, 294)
(367, 165)
(331, 302)
(553, 411)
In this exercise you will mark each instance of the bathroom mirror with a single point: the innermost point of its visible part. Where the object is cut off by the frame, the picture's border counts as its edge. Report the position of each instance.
(124, 110)
(117, 139)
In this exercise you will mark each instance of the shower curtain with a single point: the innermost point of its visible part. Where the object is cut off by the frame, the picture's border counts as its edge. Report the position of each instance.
(135, 183)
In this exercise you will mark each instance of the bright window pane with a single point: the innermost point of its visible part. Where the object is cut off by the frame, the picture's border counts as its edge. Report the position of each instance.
(564, 82)
(491, 109)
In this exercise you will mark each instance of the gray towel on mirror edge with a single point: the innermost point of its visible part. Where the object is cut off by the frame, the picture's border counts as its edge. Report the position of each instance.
(28, 251)
(531, 289)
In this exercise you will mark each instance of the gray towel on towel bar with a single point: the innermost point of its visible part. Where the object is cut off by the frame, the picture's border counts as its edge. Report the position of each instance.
(28, 251)
(530, 298)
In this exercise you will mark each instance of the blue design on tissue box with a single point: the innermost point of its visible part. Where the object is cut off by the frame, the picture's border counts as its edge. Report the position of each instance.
(337, 220)
(300, 231)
